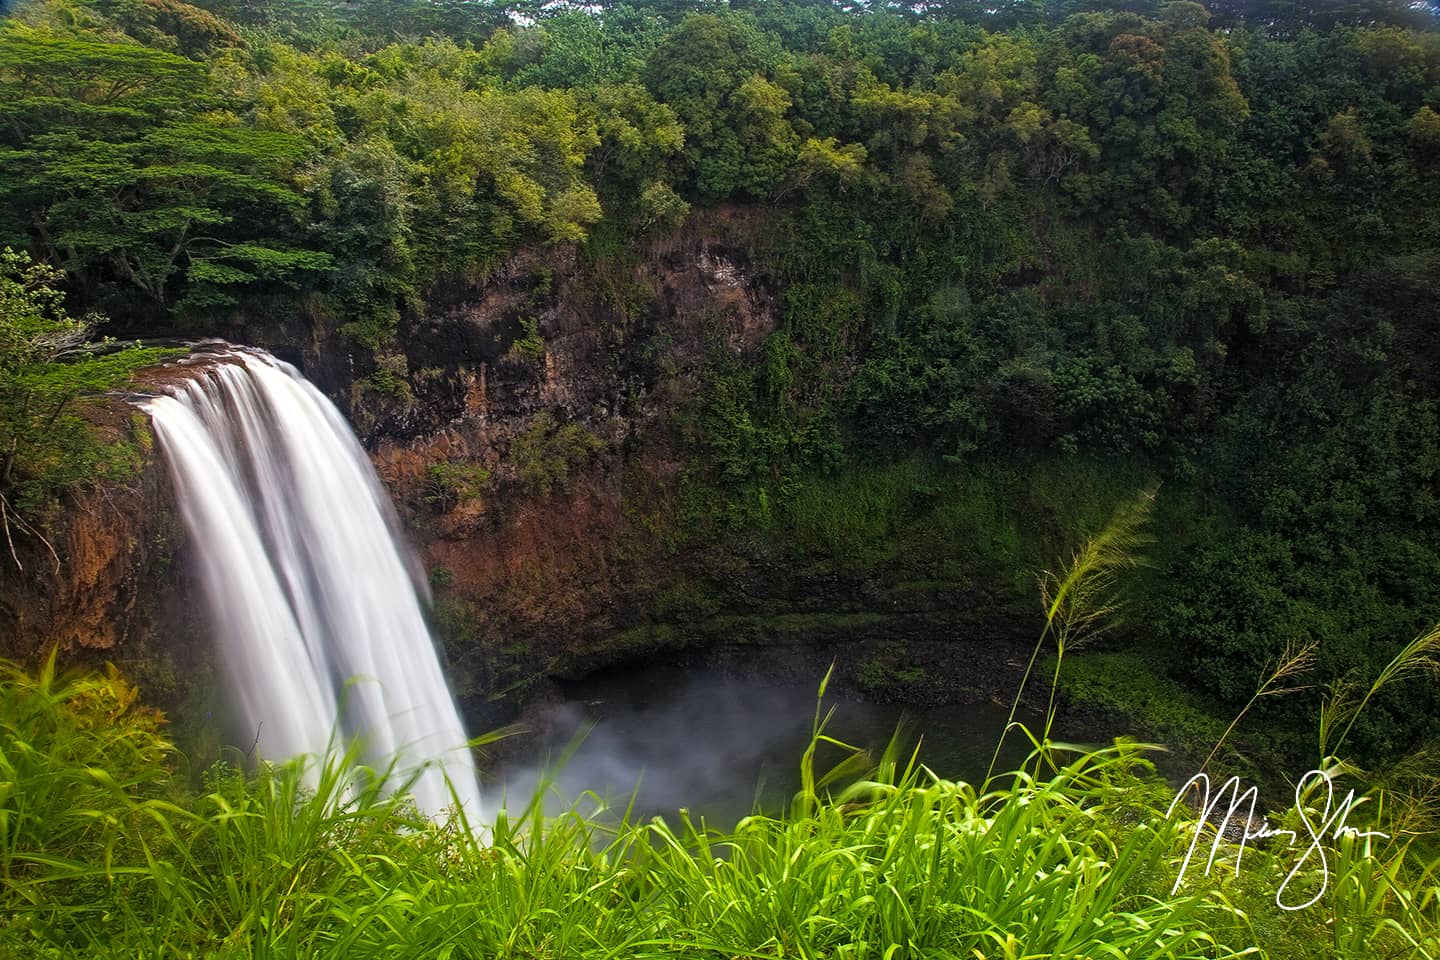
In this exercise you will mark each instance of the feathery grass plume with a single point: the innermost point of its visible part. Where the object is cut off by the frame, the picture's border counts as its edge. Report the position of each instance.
(1293, 661)
(1372, 894)
(1403, 878)
(1378, 891)
(1420, 657)
(1082, 600)
(1413, 791)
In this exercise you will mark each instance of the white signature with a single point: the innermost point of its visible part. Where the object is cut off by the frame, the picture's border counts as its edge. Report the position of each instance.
(1331, 825)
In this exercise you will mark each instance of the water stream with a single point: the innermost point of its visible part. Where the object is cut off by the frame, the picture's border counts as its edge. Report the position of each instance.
(318, 615)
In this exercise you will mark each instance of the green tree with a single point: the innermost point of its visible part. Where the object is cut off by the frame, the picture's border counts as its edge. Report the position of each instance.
(108, 168)
(47, 368)
(712, 71)
(638, 136)
(171, 25)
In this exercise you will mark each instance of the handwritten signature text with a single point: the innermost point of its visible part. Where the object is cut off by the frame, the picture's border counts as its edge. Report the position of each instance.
(1329, 825)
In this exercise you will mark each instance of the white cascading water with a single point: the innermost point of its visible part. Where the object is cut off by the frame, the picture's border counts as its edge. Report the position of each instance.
(319, 620)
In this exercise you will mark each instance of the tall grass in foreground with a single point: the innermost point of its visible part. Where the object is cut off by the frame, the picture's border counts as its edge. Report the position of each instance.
(1081, 601)
(104, 855)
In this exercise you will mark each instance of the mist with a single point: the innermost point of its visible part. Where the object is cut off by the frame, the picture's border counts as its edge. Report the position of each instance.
(720, 747)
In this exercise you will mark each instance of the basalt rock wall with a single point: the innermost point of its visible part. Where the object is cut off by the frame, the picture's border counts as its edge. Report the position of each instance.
(538, 456)
(529, 425)
(103, 580)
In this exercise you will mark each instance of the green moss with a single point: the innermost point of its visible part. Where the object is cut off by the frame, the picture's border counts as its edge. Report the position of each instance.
(881, 676)
(764, 630)
(374, 327)
(686, 599)
(390, 378)
(548, 452)
(449, 483)
(951, 522)
(455, 624)
(645, 638)
(531, 346)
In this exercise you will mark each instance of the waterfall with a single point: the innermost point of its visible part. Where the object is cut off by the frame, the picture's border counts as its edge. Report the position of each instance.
(319, 619)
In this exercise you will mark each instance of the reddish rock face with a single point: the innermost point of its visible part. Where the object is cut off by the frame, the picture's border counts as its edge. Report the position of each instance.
(611, 352)
(533, 452)
(100, 575)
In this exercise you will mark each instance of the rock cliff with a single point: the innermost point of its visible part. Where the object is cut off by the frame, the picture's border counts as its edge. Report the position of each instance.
(526, 424)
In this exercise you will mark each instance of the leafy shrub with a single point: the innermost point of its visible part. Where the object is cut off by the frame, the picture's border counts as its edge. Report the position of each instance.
(450, 483)
(49, 366)
(548, 452)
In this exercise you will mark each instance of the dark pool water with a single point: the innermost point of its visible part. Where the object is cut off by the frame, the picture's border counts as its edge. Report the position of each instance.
(723, 747)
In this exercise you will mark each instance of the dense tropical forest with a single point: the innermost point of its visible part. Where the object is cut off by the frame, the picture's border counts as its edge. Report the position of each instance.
(1102, 246)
